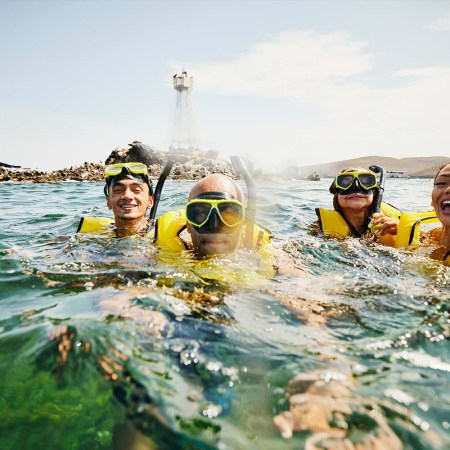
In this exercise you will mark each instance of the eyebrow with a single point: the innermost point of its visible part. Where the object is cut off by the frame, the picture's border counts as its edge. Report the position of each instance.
(120, 183)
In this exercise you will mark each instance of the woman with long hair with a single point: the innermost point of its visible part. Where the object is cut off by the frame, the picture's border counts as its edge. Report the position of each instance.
(355, 192)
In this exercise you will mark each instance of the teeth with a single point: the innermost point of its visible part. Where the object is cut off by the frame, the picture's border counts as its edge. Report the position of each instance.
(446, 203)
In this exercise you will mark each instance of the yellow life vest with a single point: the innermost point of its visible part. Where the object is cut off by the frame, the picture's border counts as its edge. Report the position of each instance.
(170, 225)
(168, 228)
(412, 224)
(334, 225)
(100, 225)
(96, 225)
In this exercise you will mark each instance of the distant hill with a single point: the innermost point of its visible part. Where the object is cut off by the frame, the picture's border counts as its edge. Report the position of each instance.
(425, 167)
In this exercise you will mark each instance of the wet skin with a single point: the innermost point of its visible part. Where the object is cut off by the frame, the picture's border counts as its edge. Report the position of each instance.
(355, 207)
(440, 196)
(208, 244)
(355, 201)
(129, 200)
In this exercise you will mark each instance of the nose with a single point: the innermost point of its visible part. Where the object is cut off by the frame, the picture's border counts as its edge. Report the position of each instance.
(214, 220)
(127, 193)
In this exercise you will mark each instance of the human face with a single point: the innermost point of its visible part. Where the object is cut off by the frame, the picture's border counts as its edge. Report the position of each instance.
(129, 199)
(209, 244)
(440, 196)
(355, 201)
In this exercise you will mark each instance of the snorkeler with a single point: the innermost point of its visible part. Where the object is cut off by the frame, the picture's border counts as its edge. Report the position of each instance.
(213, 221)
(428, 232)
(355, 212)
(129, 194)
(440, 200)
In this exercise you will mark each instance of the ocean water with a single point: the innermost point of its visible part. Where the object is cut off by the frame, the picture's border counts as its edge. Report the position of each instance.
(107, 343)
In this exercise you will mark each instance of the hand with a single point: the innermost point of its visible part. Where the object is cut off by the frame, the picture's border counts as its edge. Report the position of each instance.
(382, 224)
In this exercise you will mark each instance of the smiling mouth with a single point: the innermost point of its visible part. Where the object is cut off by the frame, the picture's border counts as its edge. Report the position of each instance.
(445, 205)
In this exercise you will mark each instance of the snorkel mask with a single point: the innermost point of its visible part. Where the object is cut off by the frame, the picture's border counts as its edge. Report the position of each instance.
(133, 171)
(351, 182)
(215, 212)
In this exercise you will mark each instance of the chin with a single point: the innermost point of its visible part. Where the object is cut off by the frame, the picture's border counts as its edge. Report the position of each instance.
(129, 216)
(210, 250)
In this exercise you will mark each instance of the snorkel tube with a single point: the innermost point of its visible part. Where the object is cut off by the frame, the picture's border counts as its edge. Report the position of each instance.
(157, 195)
(161, 180)
(250, 211)
(377, 201)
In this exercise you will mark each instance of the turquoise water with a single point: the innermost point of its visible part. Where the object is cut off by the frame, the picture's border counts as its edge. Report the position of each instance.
(102, 336)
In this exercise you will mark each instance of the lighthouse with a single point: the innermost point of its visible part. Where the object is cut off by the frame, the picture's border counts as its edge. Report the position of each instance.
(184, 135)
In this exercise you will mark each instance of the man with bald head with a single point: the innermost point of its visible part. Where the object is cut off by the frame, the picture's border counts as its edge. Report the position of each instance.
(215, 215)
(212, 223)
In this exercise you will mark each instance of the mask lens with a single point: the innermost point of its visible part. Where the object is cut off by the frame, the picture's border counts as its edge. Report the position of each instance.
(344, 181)
(112, 171)
(116, 169)
(197, 213)
(367, 180)
(231, 213)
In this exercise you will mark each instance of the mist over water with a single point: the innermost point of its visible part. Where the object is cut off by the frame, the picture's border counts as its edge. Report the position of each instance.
(98, 335)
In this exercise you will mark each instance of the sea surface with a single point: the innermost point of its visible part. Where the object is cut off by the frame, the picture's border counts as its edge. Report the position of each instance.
(105, 342)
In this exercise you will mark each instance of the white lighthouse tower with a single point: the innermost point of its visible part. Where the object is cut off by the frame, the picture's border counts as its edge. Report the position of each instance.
(184, 136)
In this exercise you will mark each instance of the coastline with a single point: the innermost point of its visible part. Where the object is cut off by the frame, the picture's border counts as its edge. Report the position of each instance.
(200, 164)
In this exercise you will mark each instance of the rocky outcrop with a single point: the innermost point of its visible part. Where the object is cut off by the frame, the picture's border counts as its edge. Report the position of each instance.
(86, 172)
(193, 167)
(137, 151)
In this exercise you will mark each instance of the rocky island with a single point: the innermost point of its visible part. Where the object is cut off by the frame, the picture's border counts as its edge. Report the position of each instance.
(199, 164)
(194, 167)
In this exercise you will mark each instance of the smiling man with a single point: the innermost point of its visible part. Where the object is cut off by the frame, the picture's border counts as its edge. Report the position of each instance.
(129, 195)
(213, 221)
(215, 215)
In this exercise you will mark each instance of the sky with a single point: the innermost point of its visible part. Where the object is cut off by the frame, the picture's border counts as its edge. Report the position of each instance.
(280, 82)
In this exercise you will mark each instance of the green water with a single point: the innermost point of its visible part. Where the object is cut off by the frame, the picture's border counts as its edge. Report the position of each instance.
(198, 356)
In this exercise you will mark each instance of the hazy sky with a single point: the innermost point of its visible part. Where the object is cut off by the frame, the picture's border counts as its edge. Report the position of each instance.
(281, 82)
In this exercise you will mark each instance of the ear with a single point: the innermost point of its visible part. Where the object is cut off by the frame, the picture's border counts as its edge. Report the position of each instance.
(108, 203)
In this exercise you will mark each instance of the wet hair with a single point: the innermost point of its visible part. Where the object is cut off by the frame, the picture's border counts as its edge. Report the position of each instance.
(439, 171)
(125, 173)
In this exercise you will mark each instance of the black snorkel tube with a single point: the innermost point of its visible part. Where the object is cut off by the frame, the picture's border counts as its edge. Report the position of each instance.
(250, 211)
(377, 201)
(157, 195)
(161, 180)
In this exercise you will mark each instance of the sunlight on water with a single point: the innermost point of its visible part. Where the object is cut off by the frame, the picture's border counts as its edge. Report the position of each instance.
(101, 337)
